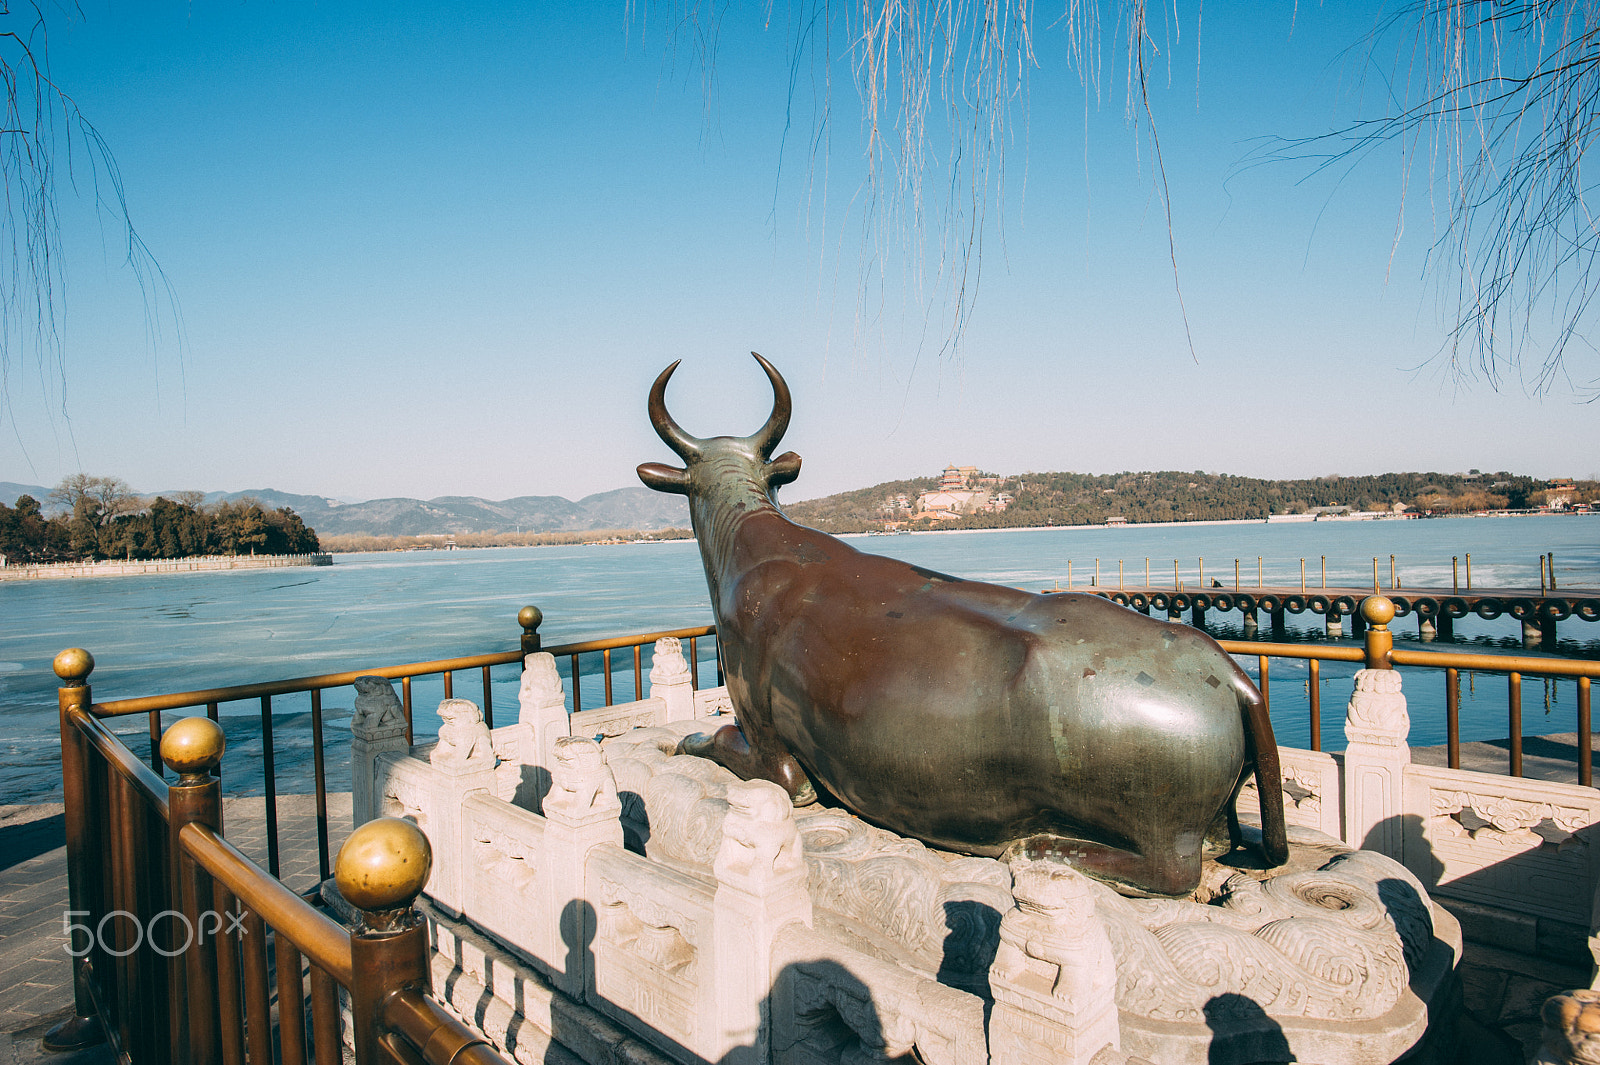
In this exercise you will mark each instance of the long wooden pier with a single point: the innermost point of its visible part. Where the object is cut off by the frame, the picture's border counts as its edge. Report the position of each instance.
(1435, 609)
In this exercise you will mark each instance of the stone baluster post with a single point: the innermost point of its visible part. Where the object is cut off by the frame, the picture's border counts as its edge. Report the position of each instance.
(670, 680)
(1054, 977)
(522, 773)
(761, 887)
(582, 812)
(377, 727)
(463, 762)
(542, 717)
(1376, 725)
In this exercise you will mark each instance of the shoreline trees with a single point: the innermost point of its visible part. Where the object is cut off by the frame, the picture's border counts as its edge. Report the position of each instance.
(100, 518)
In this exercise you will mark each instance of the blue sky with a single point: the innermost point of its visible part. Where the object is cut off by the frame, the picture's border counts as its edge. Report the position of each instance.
(443, 250)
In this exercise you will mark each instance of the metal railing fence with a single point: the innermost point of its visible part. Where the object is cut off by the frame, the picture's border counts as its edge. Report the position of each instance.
(170, 926)
(573, 655)
(1378, 651)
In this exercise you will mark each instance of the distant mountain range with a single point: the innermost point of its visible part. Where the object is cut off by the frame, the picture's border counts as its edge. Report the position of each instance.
(624, 508)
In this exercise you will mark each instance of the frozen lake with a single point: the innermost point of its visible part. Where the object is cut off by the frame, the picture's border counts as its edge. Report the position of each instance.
(178, 632)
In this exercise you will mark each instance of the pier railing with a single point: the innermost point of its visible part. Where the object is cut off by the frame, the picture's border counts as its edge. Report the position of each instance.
(170, 926)
(1436, 607)
(1271, 573)
(1378, 652)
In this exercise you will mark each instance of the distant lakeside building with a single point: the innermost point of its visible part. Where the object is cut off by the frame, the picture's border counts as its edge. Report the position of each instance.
(959, 493)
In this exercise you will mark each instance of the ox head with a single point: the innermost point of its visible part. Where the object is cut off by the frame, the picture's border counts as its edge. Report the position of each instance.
(721, 459)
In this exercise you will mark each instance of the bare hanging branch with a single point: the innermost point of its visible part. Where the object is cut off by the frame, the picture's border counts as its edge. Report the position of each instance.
(1494, 104)
(940, 82)
(44, 136)
(908, 56)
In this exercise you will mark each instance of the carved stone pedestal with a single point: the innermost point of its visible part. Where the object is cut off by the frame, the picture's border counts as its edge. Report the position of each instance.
(733, 928)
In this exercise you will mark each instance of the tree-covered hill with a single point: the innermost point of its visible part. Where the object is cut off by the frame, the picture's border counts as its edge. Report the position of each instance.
(858, 510)
(1167, 495)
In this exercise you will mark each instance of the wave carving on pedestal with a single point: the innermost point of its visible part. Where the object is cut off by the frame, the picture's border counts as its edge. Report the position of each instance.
(1337, 943)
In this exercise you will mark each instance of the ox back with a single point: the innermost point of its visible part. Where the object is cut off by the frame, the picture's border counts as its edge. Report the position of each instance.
(974, 717)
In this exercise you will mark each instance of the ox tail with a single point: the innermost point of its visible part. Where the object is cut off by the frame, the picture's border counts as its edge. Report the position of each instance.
(1269, 775)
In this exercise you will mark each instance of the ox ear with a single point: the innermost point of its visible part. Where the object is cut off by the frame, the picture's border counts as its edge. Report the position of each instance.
(664, 478)
(783, 469)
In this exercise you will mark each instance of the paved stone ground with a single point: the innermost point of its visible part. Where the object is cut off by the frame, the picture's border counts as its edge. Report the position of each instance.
(1543, 757)
(35, 977)
(33, 895)
(244, 825)
(1503, 991)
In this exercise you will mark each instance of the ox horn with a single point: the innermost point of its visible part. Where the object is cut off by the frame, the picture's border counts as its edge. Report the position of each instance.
(670, 432)
(766, 438)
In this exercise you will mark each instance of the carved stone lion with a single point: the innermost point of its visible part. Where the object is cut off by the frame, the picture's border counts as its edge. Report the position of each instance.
(579, 780)
(759, 836)
(541, 684)
(376, 707)
(463, 738)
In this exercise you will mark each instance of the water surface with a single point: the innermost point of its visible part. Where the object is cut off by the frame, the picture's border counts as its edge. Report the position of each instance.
(184, 631)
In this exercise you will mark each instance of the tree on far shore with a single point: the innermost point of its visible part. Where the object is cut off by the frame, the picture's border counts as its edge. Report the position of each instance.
(102, 519)
(93, 503)
(27, 536)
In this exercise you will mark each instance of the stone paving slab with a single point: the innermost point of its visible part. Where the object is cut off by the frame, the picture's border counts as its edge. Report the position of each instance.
(35, 973)
(33, 897)
(1553, 758)
(24, 1046)
(244, 825)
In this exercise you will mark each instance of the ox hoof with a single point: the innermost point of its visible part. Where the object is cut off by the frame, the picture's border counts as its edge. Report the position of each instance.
(1219, 841)
(806, 795)
(698, 744)
(1248, 852)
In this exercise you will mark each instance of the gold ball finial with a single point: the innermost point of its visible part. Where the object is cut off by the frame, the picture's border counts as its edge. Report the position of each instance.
(193, 745)
(529, 617)
(384, 865)
(74, 665)
(1377, 610)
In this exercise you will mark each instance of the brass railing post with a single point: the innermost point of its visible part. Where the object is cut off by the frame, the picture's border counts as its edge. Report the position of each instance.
(381, 869)
(529, 618)
(73, 666)
(192, 748)
(1314, 699)
(1377, 611)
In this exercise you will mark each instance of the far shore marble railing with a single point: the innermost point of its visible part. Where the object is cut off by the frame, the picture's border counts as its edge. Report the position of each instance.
(36, 571)
(591, 884)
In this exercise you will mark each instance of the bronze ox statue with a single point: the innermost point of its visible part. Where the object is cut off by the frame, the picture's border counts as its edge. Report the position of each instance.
(971, 716)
